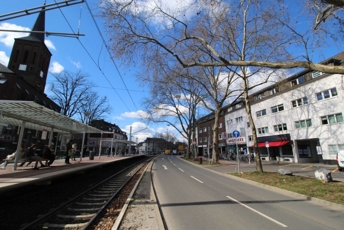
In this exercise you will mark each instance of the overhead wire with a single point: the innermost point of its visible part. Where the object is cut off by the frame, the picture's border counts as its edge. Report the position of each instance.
(107, 48)
(88, 53)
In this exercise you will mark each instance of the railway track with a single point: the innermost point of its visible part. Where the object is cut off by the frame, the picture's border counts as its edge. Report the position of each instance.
(82, 210)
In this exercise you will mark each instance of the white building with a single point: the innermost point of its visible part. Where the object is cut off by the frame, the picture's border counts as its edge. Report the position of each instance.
(300, 118)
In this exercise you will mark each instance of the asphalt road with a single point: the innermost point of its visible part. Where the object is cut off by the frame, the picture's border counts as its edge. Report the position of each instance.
(195, 198)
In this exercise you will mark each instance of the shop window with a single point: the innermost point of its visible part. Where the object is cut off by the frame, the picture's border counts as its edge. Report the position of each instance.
(304, 151)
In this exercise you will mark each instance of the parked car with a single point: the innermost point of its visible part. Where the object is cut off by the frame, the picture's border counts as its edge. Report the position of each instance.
(340, 160)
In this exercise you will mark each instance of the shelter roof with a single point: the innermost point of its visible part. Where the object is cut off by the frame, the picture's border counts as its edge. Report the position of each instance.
(39, 117)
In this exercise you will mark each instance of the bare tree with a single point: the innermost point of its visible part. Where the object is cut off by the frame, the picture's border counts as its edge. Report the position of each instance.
(73, 93)
(259, 34)
(95, 107)
(138, 37)
(174, 100)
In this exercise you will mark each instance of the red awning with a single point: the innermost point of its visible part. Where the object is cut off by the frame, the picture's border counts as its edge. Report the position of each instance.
(272, 144)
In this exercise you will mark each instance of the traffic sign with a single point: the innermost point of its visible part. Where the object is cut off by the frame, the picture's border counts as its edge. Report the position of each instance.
(236, 133)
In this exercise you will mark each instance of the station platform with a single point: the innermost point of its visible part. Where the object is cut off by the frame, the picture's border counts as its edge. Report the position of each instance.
(25, 175)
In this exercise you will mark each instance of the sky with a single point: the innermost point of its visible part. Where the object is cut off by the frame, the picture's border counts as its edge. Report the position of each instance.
(86, 53)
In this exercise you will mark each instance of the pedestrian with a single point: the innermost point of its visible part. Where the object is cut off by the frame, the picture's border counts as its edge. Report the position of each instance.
(72, 153)
(32, 155)
(48, 154)
(108, 151)
(68, 147)
(12, 156)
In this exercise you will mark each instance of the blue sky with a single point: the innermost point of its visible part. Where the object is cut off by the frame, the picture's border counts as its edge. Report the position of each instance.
(69, 54)
(89, 55)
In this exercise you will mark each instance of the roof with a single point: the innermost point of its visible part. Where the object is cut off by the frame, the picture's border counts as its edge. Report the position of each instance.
(39, 117)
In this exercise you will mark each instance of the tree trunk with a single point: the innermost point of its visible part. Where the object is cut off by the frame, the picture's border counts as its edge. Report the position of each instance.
(259, 165)
(215, 135)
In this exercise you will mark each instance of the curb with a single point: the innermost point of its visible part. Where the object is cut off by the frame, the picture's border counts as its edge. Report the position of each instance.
(120, 217)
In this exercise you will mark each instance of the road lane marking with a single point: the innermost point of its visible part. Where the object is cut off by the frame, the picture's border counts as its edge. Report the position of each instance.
(181, 169)
(196, 179)
(307, 167)
(164, 167)
(259, 213)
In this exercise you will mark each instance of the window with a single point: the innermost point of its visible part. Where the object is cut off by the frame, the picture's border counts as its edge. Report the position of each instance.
(261, 113)
(298, 81)
(303, 123)
(316, 74)
(230, 109)
(200, 140)
(22, 67)
(273, 91)
(239, 105)
(220, 125)
(277, 108)
(299, 102)
(248, 124)
(250, 138)
(263, 130)
(205, 129)
(220, 137)
(200, 130)
(280, 127)
(327, 94)
(230, 121)
(332, 119)
(238, 119)
(332, 149)
(204, 139)
(259, 97)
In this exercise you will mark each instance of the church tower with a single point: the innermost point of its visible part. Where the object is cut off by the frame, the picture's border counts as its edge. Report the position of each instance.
(30, 57)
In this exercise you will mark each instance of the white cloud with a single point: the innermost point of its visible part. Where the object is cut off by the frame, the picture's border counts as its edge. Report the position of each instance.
(139, 130)
(77, 64)
(4, 58)
(56, 67)
(179, 9)
(49, 44)
(138, 114)
(7, 38)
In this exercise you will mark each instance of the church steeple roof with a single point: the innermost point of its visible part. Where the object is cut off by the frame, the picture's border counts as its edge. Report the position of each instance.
(39, 26)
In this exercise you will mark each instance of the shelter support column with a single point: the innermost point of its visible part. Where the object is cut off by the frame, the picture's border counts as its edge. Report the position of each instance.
(20, 140)
(295, 152)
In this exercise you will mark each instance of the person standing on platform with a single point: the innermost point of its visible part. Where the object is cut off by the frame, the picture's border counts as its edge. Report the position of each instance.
(72, 153)
(69, 147)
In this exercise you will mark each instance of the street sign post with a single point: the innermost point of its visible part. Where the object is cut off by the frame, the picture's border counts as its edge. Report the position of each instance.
(236, 134)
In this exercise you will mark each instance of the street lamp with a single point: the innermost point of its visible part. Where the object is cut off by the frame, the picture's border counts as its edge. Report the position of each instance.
(83, 136)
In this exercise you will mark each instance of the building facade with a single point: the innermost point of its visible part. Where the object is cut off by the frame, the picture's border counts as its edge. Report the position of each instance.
(299, 119)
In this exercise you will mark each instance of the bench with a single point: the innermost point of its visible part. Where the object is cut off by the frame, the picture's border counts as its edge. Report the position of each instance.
(23, 160)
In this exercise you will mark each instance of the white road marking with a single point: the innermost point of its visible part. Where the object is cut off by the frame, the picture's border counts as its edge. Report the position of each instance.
(196, 179)
(181, 169)
(259, 213)
(164, 167)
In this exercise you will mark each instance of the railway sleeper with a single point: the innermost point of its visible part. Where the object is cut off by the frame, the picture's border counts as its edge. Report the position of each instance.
(90, 204)
(64, 226)
(95, 199)
(83, 209)
(100, 195)
(76, 217)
